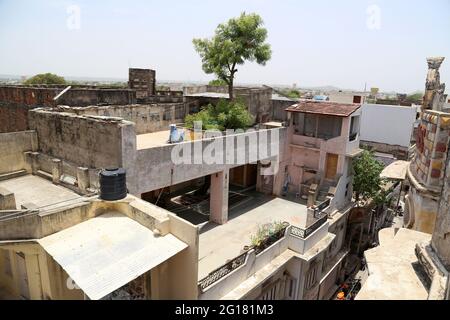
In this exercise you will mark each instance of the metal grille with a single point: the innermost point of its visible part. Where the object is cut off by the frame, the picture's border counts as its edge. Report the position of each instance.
(222, 271)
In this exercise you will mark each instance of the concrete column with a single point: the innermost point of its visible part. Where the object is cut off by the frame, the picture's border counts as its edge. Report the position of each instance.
(34, 276)
(32, 161)
(219, 197)
(56, 170)
(83, 179)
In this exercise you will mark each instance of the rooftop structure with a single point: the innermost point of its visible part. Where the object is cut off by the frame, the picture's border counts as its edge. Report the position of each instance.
(424, 264)
(325, 108)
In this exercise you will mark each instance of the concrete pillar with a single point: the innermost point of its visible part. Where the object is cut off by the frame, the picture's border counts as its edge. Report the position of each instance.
(7, 200)
(56, 170)
(219, 197)
(83, 179)
(32, 161)
(34, 276)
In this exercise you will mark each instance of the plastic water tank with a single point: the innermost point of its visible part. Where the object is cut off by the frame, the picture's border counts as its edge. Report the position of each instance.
(113, 184)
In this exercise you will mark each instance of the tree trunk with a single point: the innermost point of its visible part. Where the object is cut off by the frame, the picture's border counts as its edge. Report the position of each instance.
(230, 88)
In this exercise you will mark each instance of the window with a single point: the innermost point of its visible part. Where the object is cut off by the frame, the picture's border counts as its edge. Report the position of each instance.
(354, 128)
(356, 99)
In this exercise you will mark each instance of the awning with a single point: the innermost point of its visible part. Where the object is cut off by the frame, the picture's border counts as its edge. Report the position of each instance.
(396, 170)
(106, 252)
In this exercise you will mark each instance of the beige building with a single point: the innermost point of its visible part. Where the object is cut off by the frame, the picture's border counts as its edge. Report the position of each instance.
(279, 238)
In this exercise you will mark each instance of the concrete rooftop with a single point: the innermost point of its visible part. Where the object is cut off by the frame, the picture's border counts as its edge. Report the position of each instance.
(219, 243)
(38, 191)
(155, 139)
(394, 271)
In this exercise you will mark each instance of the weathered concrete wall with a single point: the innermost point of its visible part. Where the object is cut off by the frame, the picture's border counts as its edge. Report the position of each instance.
(258, 100)
(92, 142)
(278, 109)
(85, 97)
(156, 169)
(16, 101)
(12, 148)
(143, 81)
(399, 152)
(147, 118)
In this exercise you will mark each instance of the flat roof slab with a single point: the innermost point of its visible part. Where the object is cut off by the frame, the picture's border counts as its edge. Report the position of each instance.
(37, 190)
(220, 243)
(392, 268)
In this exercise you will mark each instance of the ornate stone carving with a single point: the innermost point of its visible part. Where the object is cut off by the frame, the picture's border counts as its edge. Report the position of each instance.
(434, 97)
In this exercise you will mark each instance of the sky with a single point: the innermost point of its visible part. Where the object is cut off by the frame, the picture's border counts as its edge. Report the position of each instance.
(349, 44)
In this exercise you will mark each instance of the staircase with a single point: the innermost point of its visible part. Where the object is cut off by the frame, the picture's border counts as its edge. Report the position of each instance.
(323, 190)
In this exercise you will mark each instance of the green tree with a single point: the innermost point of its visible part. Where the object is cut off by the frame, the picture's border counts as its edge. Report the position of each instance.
(225, 115)
(240, 39)
(217, 82)
(367, 183)
(45, 78)
(416, 96)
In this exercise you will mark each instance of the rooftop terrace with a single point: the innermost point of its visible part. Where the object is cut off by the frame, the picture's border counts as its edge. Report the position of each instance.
(244, 220)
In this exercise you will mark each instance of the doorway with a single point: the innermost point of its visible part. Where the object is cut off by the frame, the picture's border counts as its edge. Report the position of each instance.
(331, 166)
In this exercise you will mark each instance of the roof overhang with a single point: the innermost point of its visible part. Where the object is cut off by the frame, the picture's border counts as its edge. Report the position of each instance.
(106, 252)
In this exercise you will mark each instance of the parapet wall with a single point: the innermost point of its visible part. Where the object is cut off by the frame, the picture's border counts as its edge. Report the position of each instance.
(92, 142)
(16, 101)
(12, 148)
(147, 118)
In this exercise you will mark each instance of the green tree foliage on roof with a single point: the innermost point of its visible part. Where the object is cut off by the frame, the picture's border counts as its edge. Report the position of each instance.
(225, 115)
(217, 82)
(234, 42)
(367, 183)
(45, 78)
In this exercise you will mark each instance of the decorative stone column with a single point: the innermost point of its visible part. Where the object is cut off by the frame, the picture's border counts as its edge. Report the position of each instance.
(434, 97)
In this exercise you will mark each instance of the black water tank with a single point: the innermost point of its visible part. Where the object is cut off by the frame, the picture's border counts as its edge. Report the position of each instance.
(113, 184)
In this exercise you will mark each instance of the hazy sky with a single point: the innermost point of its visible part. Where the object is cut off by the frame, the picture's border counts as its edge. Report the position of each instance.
(342, 43)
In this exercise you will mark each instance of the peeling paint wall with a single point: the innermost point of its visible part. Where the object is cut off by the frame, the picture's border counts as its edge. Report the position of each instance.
(92, 142)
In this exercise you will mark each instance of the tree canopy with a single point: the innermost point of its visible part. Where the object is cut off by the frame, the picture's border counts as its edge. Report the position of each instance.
(225, 115)
(217, 82)
(240, 39)
(45, 78)
(367, 183)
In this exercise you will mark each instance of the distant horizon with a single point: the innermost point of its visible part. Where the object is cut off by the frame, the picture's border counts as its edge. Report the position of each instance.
(345, 44)
(174, 81)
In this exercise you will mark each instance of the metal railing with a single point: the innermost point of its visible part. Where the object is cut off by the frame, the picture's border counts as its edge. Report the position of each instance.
(237, 262)
(304, 233)
(321, 207)
(222, 271)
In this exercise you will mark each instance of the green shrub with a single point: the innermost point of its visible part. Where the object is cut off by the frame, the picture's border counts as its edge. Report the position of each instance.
(225, 115)
(45, 78)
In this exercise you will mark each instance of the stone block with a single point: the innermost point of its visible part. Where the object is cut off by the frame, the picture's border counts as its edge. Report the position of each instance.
(83, 179)
(441, 147)
(435, 173)
(7, 200)
(437, 164)
(445, 122)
